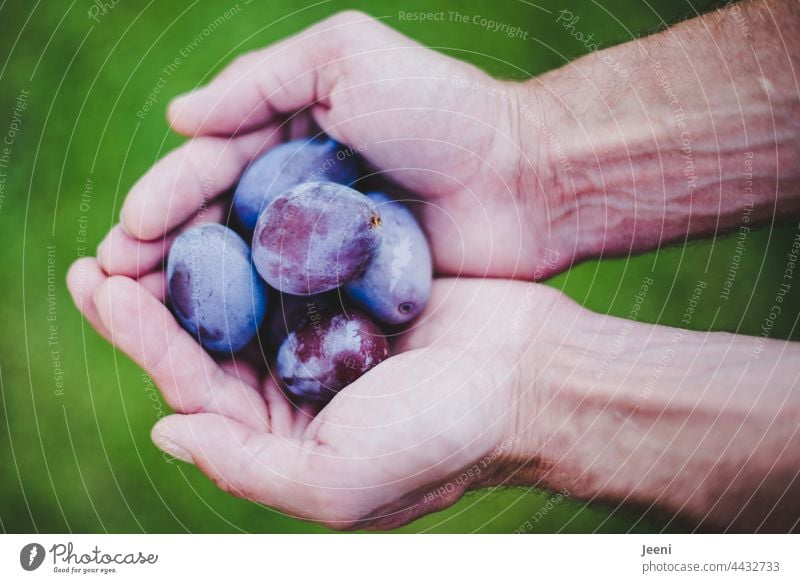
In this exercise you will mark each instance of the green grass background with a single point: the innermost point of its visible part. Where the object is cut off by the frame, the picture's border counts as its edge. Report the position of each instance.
(83, 462)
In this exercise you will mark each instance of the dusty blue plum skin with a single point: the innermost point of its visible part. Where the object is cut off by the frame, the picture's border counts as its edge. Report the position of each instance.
(287, 165)
(214, 290)
(329, 351)
(316, 237)
(396, 285)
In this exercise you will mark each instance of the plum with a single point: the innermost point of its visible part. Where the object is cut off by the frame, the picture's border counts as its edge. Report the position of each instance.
(396, 285)
(315, 237)
(214, 289)
(329, 351)
(287, 165)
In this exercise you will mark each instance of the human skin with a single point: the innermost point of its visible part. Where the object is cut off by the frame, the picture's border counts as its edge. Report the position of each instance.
(660, 156)
(500, 382)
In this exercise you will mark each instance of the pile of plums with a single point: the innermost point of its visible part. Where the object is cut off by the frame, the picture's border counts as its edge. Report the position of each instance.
(319, 250)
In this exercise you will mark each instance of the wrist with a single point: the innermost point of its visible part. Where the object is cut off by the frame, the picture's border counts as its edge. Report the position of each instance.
(547, 415)
(601, 416)
(588, 141)
(608, 413)
(693, 423)
(639, 153)
(562, 418)
(548, 209)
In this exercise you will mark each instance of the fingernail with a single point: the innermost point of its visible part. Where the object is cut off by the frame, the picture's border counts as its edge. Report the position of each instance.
(171, 448)
(126, 221)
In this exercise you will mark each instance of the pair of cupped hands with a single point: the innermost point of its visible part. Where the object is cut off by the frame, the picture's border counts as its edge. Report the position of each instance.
(452, 409)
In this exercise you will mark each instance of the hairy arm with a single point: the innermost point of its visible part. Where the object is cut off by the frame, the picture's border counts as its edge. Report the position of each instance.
(683, 134)
(705, 425)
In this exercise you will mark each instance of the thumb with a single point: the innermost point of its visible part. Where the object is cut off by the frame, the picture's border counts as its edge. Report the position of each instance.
(256, 87)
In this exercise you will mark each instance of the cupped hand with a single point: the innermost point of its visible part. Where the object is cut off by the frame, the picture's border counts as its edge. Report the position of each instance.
(406, 439)
(439, 417)
(440, 129)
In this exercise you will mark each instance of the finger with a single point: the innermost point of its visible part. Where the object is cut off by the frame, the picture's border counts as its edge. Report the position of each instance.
(304, 414)
(83, 278)
(281, 410)
(156, 284)
(121, 254)
(302, 125)
(187, 179)
(288, 418)
(189, 378)
(250, 464)
(257, 87)
(241, 370)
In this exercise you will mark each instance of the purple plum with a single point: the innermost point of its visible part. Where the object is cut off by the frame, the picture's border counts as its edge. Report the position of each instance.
(396, 285)
(214, 289)
(315, 237)
(286, 166)
(328, 352)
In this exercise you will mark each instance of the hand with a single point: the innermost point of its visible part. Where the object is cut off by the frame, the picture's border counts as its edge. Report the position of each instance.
(436, 126)
(377, 454)
(406, 439)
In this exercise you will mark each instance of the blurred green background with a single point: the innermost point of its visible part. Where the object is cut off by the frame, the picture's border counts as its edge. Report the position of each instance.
(78, 458)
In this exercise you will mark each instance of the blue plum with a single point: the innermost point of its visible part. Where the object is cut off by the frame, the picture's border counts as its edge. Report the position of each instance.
(214, 289)
(328, 352)
(315, 237)
(396, 285)
(287, 165)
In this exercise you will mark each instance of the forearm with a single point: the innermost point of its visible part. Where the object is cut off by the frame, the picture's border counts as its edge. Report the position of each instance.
(702, 424)
(686, 133)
